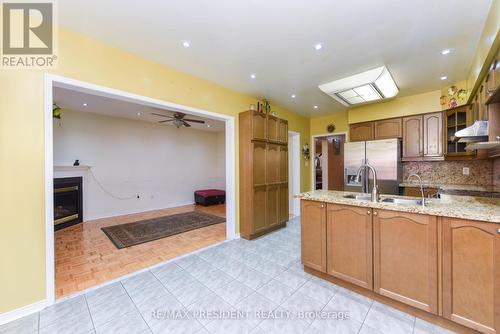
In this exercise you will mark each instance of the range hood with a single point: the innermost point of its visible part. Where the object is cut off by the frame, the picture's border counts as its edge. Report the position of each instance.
(368, 86)
(474, 133)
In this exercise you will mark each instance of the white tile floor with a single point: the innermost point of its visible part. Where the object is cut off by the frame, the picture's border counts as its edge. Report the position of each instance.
(240, 277)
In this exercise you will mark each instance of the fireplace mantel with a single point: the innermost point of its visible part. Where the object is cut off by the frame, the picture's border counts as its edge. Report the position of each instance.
(82, 168)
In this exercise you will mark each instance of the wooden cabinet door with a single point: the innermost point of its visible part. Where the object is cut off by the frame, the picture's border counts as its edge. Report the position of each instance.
(313, 234)
(497, 71)
(273, 163)
(259, 126)
(259, 163)
(283, 131)
(433, 135)
(491, 85)
(272, 205)
(405, 258)
(259, 208)
(412, 138)
(471, 274)
(389, 128)
(272, 128)
(454, 120)
(283, 203)
(349, 244)
(361, 131)
(283, 153)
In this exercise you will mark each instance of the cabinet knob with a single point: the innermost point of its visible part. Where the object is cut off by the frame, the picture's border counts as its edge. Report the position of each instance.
(498, 231)
(368, 212)
(375, 213)
(322, 205)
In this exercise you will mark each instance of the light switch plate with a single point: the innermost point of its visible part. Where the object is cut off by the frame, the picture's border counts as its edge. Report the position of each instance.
(465, 171)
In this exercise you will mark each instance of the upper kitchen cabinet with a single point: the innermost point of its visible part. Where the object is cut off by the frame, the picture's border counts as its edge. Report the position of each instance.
(272, 128)
(413, 143)
(457, 119)
(283, 131)
(388, 128)
(258, 125)
(471, 274)
(433, 136)
(423, 137)
(380, 129)
(362, 131)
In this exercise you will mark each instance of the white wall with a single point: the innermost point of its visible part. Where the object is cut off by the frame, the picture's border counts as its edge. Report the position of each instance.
(160, 163)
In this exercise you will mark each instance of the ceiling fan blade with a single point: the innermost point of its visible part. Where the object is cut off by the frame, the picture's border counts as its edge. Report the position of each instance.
(186, 124)
(160, 115)
(167, 120)
(193, 120)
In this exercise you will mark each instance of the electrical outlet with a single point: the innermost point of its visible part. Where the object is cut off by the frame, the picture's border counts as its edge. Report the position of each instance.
(465, 171)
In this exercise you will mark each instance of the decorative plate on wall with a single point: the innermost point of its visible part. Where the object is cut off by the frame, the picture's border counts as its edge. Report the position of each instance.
(330, 128)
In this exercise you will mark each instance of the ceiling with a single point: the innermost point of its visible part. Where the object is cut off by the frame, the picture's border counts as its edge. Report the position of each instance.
(91, 103)
(275, 39)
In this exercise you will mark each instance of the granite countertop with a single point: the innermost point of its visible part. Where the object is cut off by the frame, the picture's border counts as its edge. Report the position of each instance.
(464, 207)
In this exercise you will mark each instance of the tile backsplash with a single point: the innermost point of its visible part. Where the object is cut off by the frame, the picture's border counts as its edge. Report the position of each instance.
(451, 172)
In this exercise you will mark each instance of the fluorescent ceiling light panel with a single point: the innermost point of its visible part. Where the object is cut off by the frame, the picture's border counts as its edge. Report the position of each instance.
(368, 86)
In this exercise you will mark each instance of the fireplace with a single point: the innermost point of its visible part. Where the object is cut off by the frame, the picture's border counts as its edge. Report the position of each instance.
(68, 202)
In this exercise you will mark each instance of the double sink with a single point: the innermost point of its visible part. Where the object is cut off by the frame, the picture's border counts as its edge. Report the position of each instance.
(392, 200)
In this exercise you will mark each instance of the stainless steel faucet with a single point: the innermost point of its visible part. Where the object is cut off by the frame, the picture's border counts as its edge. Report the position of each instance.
(421, 186)
(375, 194)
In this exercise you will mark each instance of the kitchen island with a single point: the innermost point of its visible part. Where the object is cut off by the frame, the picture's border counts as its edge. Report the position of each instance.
(442, 259)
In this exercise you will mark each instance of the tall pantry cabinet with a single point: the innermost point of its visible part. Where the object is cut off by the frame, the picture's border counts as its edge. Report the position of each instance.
(263, 141)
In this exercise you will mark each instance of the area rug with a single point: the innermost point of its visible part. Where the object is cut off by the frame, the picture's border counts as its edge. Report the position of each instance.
(130, 234)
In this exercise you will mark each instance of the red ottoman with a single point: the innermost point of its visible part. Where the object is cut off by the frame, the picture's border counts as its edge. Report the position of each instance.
(209, 197)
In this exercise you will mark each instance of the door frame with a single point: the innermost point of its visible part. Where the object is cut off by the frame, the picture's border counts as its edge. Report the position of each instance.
(313, 152)
(51, 81)
(294, 176)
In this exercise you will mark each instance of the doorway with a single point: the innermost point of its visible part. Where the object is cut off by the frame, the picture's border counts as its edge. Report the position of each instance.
(328, 162)
(52, 82)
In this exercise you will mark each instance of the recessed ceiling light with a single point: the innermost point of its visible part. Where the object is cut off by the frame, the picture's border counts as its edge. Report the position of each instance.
(208, 125)
(186, 44)
(293, 96)
(139, 114)
(318, 46)
(85, 104)
(315, 107)
(253, 76)
(444, 77)
(445, 51)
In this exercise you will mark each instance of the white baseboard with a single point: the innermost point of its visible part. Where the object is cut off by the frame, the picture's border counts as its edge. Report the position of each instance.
(22, 311)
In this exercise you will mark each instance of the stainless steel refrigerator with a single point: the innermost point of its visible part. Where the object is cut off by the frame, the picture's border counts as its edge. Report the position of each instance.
(384, 155)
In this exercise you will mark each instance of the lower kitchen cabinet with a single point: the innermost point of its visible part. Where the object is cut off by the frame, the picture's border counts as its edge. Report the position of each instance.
(349, 244)
(405, 258)
(471, 274)
(313, 234)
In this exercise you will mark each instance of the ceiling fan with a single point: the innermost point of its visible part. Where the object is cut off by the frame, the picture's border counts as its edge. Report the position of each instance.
(178, 119)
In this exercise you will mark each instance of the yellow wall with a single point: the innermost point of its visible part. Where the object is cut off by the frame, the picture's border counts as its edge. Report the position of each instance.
(408, 105)
(318, 124)
(22, 241)
(489, 41)
(402, 106)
